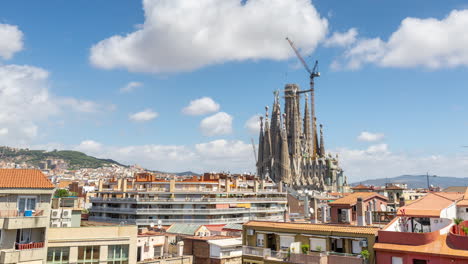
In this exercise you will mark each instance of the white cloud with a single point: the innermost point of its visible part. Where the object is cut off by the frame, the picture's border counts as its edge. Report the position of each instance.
(26, 103)
(201, 106)
(3, 131)
(130, 87)
(378, 161)
(143, 116)
(217, 155)
(89, 146)
(184, 35)
(253, 124)
(370, 137)
(429, 43)
(341, 39)
(11, 40)
(217, 124)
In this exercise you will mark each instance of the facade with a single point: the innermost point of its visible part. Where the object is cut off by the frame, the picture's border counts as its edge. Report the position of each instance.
(25, 197)
(423, 233)
(66, 212)
(93, 244)
(290, 150)
(213, 250)
(268, 242)
(148, 199)
(357, 208)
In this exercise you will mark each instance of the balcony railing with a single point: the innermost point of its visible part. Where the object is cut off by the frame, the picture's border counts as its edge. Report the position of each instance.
(311, 258)
(189, 200)
(185, 211)
(16, 213)
(32, 245)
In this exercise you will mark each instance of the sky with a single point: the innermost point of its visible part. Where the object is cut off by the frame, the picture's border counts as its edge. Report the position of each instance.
(177, 85)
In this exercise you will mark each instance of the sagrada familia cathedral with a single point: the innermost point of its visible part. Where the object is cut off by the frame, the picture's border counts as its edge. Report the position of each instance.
(291, 151)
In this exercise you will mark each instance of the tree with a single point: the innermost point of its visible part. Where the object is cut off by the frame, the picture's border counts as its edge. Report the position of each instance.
(61, 193)
(365, 255)
(457, 222)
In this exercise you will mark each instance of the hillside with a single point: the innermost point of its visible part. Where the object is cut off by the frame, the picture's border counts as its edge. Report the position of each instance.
(73, 159)
(418, 181)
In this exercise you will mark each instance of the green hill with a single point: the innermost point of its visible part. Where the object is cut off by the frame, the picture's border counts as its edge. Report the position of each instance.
(74, 159)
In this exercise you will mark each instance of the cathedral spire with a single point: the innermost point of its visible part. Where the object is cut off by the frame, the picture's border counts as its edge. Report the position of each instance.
(315, 139)
(285, 164)
(267, 146)
(307, 128)
(260, 161)
(322, 144)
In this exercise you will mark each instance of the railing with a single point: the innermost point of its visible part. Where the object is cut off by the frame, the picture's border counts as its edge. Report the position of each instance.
(16, 213)
(185, 211)
(185, 221)
(310, 258)
(383, 217)
(164, 200)
(29, 245)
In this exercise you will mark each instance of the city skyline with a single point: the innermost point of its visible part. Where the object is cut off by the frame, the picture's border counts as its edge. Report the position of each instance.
(176, 86)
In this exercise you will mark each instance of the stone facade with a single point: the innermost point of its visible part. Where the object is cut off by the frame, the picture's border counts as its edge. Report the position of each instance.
(290, 149)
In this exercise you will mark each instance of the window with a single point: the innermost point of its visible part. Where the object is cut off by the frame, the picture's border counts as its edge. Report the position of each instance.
(318, 244)
(260, 240)
(23, 236)
(356, 246)
(397, 260)
(286, 241)
(88, 255)
(58, 255)
(26, 203)
(157, 251)
(419, 261)
(117, 254)
(466, 210)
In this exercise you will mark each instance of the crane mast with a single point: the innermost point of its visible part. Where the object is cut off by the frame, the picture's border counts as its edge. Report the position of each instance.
(312, 74)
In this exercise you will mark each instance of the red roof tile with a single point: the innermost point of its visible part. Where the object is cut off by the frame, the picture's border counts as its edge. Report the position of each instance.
(24, 179)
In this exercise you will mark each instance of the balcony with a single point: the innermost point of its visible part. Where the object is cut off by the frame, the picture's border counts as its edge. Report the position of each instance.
(23, 255)
(185, 211)
(33, 245)
(190, 200)
(14, 220)
(311, 258)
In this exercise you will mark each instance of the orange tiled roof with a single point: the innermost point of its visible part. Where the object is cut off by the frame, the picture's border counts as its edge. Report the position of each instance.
(437, 247)
(430, 205)
(464, 202)
(315, 227)
(24, 178)
(64, 184)
(352, 198)
(361, 187)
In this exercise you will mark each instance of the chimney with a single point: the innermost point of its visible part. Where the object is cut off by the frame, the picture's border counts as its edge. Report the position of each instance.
(119, 184)
(402, 201)
(100, 185)
(172, 185)
(361, 220)
(280, 186)
(324, 214)
(255, 185)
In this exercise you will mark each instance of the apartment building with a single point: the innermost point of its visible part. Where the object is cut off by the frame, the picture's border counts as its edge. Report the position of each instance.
(25, 198)
(423, 233)
(213, 249)
(272, 243)
(92, 243)
(357, 208)
(148, 199)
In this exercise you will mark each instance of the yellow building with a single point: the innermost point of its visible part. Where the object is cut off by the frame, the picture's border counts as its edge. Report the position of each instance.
(276, 242)
(93, 244)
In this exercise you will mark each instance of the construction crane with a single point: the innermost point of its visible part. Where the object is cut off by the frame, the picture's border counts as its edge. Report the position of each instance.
(312, 74)
(254, 150)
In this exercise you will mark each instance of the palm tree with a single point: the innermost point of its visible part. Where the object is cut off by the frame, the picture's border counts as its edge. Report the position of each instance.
(457, 222)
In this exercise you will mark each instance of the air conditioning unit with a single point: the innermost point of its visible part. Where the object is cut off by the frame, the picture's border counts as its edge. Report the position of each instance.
(55, 213)
(66, 224)
(363, 243)
(55, 224)
(67, 213)
(250, 232)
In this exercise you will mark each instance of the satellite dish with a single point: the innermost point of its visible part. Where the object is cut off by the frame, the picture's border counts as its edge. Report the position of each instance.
(383, 207)
(311, 210)
(151, 224)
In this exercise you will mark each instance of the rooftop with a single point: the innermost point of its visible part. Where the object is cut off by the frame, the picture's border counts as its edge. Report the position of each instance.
(362, 187)
(24, 179)
(436, 247)
(430, 205)
(183, 229)
(301, 227)
(229, 242)
(464, 202)
(352, 198)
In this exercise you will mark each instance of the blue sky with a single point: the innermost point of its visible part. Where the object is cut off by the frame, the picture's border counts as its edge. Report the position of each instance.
(408, 92)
